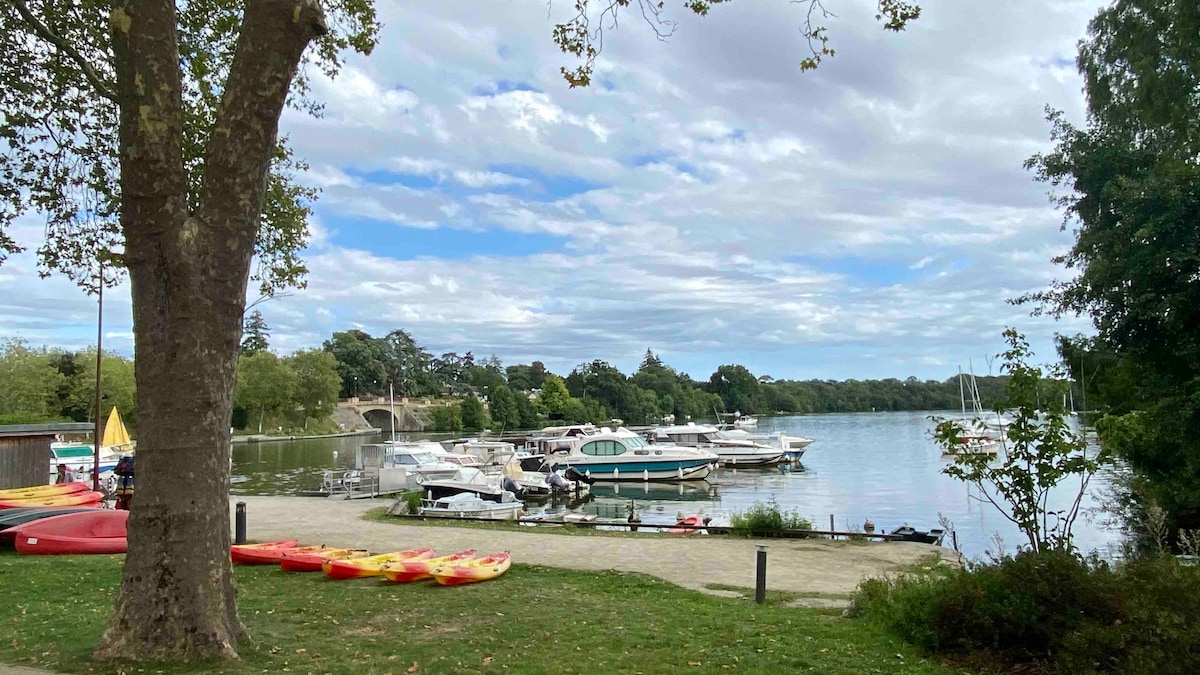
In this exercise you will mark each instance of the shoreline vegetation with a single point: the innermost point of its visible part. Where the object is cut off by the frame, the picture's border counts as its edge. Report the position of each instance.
(296, 394)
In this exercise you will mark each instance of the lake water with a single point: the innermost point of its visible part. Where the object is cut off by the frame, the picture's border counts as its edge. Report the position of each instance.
(877, 466)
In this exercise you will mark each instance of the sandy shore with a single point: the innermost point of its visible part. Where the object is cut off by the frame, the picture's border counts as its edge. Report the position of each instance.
(804, 566)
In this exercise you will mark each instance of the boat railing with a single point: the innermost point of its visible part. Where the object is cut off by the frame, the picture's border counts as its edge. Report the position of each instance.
(350, 482)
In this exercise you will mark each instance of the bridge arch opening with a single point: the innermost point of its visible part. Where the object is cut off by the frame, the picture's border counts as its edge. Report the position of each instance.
(381, 419)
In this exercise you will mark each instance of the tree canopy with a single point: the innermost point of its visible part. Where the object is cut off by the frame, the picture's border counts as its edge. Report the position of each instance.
(1130, 185)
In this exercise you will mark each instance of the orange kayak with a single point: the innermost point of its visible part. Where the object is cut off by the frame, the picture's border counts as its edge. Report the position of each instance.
(370, 566)
(75, 499)
(470, 571)
(415, 570)
(267, 553)
(689, 525)
(312, 561)
(39, 491)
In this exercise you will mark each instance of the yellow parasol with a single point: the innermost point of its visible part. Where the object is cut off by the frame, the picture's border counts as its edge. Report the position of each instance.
(115, 434)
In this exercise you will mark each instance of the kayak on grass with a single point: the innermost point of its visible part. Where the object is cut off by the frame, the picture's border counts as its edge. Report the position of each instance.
(370, 566)
(470, 571)
(43, 490)
(312, 562)
(85, 532)
(416, 570)
(267, 553)
(87, 498)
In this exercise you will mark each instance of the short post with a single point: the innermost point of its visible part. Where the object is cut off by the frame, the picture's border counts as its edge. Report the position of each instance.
(239, 524)
(760, 576)
(832, 529)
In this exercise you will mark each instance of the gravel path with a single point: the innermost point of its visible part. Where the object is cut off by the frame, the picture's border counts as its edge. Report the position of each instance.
(798, 565)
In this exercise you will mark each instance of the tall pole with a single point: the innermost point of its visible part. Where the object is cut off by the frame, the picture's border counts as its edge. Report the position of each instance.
(99, 352)
(392, 408)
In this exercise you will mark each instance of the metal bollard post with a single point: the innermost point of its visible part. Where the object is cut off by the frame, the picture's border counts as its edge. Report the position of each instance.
(760, 576)
(239, 524)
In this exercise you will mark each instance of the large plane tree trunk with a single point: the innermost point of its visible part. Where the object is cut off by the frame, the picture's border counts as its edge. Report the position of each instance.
(188, 274)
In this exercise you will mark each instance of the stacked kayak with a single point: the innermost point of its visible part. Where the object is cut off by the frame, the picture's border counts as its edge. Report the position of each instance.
(91, 531)
(371, 566)
(63, 494)
(262, 554)
(416, 570)
(311, 561)
(405, 566)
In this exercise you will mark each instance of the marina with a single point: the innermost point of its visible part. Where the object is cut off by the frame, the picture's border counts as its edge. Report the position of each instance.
(881, 467)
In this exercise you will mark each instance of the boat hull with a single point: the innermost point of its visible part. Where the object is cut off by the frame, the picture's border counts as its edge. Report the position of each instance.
(91, 532)
(480, 569)
(659, 470)
(760, 459)
(509, 512)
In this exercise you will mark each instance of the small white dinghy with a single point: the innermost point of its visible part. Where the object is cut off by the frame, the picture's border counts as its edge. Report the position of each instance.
(468, 505)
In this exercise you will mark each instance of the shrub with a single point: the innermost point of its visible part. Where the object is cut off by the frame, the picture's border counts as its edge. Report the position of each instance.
(1050, 609)
(763, 519)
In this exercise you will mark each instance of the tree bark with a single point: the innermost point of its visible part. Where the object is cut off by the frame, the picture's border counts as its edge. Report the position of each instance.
(188, 275)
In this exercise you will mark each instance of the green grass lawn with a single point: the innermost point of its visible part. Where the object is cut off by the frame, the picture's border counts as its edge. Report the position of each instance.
(532, 620)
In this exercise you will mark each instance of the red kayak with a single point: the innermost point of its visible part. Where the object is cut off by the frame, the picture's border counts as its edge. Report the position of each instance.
(98, 531)
(267, 553)
(312, 562)
(689, 525)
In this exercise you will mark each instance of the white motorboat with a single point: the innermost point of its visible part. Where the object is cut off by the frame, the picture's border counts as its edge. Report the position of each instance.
(621, 454)
(792, 446)
(745, 421)
(981, 444)
(469, 480)
(414, 456)
(467, 505)
(731, 451)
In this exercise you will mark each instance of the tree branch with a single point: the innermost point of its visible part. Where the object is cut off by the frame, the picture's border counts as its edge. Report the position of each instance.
(43, 31)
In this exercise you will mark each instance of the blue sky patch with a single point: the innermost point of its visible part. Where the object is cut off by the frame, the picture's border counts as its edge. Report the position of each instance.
(862, 270)
(415, 181)
(545, 187)
(503, 87)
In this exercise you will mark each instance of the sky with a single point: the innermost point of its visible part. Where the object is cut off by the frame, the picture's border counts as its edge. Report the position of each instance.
(704, 198)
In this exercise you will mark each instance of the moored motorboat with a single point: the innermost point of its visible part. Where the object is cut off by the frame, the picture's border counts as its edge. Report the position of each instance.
(267, 553)
(473, 570)
(415, 570)
(623, 455)
(370, 566)
(467, 505)
(85, 532)
(908, 533)
(312, 561)
(731, 451)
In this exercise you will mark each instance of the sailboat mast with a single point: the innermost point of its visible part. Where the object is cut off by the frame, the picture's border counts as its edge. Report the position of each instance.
(962, 397)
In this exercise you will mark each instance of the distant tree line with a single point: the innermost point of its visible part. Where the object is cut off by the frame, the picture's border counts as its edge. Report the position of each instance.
(528, 395)
(294, 392)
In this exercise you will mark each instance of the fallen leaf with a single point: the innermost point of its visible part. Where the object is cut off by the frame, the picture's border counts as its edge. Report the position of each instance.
(413, 668)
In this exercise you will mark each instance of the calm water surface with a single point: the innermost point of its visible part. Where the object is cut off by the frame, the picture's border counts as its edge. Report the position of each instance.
(881, 466)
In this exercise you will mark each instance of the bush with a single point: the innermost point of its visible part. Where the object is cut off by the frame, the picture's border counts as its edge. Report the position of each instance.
(763, 519)
(1049, 609)
(447, 418)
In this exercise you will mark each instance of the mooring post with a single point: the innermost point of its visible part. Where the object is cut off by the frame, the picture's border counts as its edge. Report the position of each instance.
(239, 524)
(831, 527)
(760, 575)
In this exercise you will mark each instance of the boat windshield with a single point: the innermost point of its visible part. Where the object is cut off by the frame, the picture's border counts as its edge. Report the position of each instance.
(634, 442)
(412, 458)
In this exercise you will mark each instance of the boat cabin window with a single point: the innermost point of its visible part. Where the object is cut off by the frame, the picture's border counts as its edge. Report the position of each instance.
(687, 438)
(636, 442)
(603, 448)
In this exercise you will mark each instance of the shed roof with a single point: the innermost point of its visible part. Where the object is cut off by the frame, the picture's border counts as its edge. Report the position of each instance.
(47, 429)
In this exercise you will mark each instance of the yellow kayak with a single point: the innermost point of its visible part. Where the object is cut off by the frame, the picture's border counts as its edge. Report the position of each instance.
(415, 570)
(470, 571)
(370, 566)
(43, 491)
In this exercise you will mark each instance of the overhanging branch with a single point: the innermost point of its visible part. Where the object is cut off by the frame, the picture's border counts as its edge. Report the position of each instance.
(43, 31)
